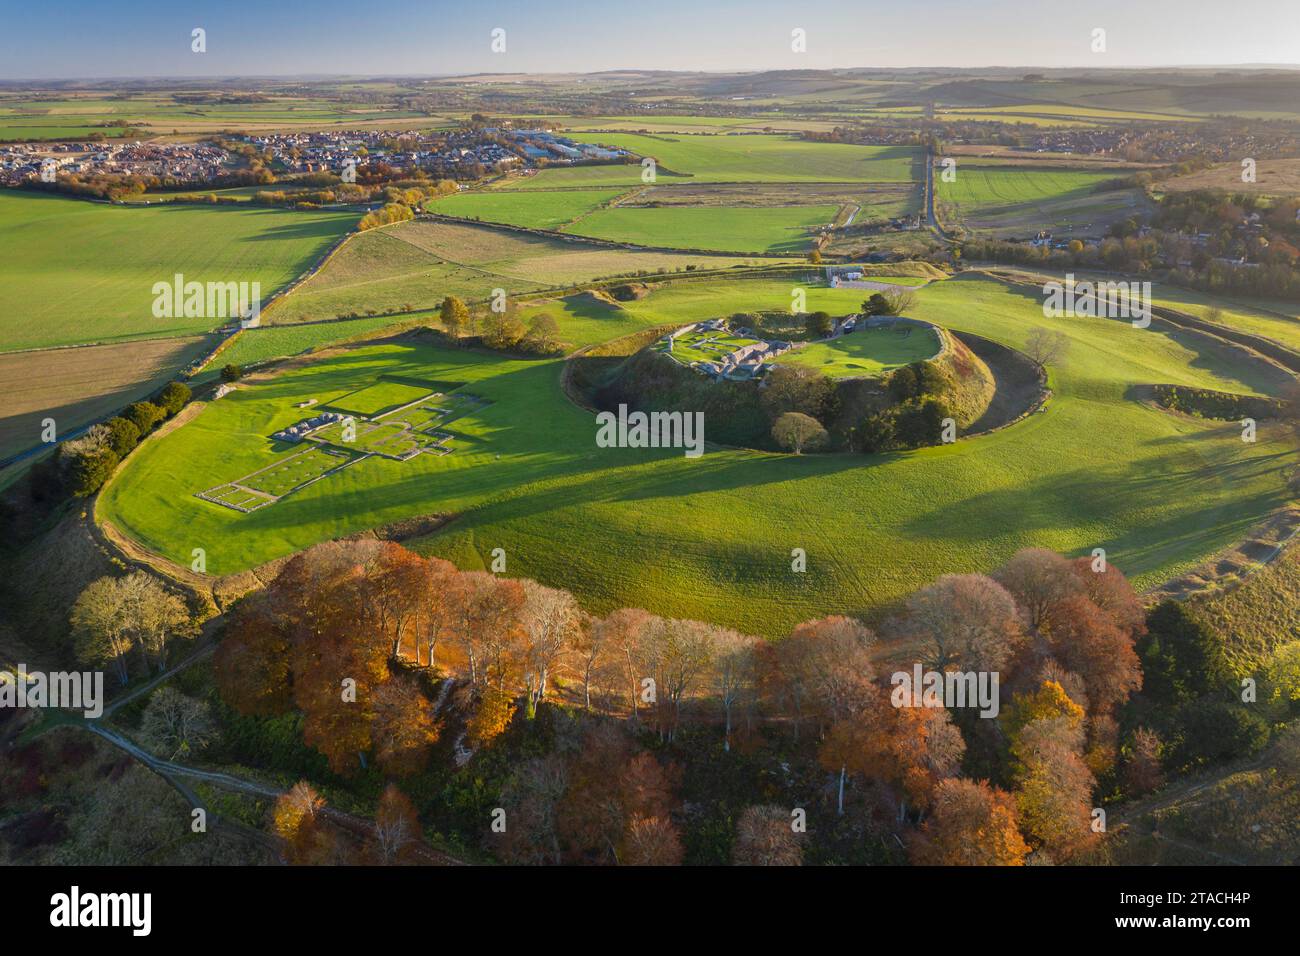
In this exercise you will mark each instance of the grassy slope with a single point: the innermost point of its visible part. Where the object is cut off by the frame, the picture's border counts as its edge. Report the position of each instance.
(1258, 616)
(73, 271)
(711, 537)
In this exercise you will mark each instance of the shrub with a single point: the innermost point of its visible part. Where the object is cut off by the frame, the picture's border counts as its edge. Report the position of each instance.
(123, 435)
(919, 422)
(87, 462)
(144, 416)
(874, 434)
(1214, 731)
(795, 431)
(502, 330)
(903, 383)
(232, 373)
(173, 397)
(820, 325)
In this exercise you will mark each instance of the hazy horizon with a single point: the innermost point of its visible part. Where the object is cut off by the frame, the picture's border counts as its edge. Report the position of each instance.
(434, 38)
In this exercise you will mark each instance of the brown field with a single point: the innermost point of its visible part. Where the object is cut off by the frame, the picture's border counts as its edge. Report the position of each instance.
(75, 386)
(1006, 156)
(1273, 177)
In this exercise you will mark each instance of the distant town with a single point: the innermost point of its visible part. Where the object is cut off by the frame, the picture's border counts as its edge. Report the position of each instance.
(460, 154)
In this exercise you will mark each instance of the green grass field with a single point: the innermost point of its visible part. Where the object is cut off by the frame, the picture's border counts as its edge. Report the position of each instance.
(1002, 200)
(75, 272)
(535, 210)
(377, 400)
(786, 229)
(80, 117)
(866, 353)
(711, 537)
(280, 341)
(742, 158)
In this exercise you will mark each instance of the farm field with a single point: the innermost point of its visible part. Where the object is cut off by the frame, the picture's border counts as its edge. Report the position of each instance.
(779, 229)
(76, 386)
(279, 341)
(415, 264)
(866, 353)
(1049, 110)
(535, 210)
(622, 175)
(1006, 200)
(877, 200)
(751, 158)
(83, 116)
(76, 272)
(1273, 177)
(1097, 469)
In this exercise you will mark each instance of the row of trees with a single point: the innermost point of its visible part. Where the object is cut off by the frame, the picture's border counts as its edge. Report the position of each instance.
(502, 330)
(337, 633)
(83, 464)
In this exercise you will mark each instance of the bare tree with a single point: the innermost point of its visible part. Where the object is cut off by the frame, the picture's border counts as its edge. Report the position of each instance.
(154, 614)
(966, 619)
(101, 623)
(174, 725)
(680, 653)
(1047, 346)
(550, 620)
(734, 671)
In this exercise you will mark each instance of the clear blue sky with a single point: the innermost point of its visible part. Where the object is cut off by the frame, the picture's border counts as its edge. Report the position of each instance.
(117, 38)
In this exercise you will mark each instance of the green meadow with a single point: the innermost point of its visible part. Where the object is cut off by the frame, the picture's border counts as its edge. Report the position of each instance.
(711, 537)
(780, 229)
(744, 158)
(535, 210)
(73, 271)
(866, 352)
(1004, 199)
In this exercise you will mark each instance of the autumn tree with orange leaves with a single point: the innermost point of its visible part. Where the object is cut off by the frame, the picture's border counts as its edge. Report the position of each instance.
(971, 824)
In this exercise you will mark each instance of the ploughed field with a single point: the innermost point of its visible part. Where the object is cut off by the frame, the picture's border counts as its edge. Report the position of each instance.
(711, 537)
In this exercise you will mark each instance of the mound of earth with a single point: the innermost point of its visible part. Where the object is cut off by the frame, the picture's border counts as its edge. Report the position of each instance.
(652, 381)
(973, 384)
(1019, 385)
(628, 291)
